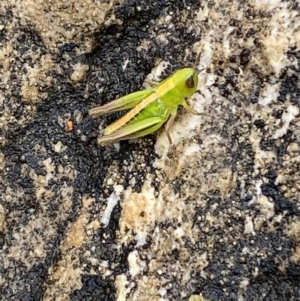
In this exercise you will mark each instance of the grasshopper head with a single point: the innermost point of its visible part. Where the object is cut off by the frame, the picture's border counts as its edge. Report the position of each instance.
(186, 80)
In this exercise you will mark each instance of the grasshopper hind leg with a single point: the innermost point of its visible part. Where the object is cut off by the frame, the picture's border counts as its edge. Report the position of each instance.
(145, 132)
(131, 131)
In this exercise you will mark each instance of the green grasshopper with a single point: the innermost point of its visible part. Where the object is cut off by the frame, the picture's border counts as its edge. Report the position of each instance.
(150, 109)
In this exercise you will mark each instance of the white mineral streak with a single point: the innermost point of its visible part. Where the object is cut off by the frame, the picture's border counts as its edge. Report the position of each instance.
(112, 201)
(287, 117)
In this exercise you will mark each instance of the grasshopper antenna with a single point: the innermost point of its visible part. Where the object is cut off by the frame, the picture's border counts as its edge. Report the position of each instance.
(196, 63)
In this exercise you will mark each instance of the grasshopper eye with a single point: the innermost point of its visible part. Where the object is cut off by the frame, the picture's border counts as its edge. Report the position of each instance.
(190, 82)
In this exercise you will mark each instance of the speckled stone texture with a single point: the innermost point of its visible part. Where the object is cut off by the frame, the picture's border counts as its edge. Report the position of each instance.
(214, 216)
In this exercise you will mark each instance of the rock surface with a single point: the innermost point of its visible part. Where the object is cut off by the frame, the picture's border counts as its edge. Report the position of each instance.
(215, 216)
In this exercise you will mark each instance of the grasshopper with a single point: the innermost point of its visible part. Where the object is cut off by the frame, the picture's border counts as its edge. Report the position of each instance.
(150, 109)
